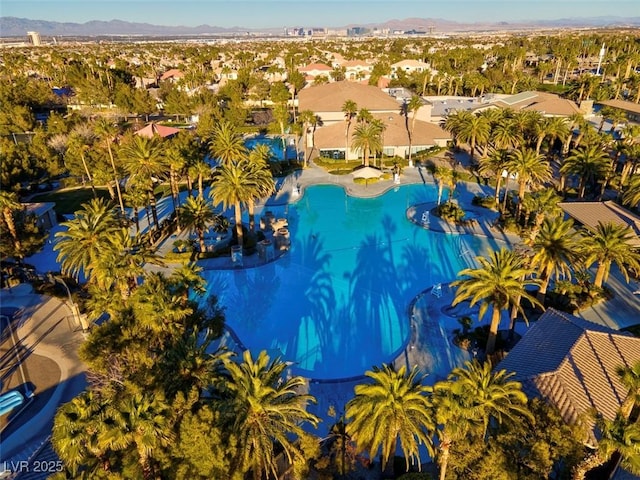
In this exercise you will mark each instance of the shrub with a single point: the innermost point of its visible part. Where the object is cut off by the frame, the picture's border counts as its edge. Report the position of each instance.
(450, 212)
(485, 201)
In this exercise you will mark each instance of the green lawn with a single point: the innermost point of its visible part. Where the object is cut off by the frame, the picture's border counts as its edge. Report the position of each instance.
(70, 200)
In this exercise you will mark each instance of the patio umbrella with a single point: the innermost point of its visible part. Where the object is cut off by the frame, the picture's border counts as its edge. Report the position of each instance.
(366, 173)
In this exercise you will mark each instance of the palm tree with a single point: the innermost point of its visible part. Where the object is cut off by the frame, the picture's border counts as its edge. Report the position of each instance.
(80, 141)
(261, 178)
(499, 284)
(554, 252)
(474, 130)
(76, 430)
(9, 204)
(142, 422)
(492, 395)
(607, 244)
(88, 236)
(394, 408)
(619, 436)
(233, 185)
(266, 409)
(227, 145)
(530, 168)
(145, 161)
(412, 106)
(631, 196)
(368, 138)
(495, 164)
(108, 132)
(454, 421)
(589, 164)
(630, 378)
(350, 109)
(308, 120)
(197, 215)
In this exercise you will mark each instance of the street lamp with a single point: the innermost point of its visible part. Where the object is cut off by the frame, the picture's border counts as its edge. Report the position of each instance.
(79, 320)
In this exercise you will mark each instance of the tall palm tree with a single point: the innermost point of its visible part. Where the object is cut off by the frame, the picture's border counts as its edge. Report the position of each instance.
(555, 251)
(590, 164)
(350, 110)
(261, 177)
(607, 244)
(79, 142)
(474, 130)
(454, 421)
(197, 215)
(227, 144)
(531, 169)
(497, 283)
(412, 107)
(394, 408)
(145, 161)
(367, 137)
(265, 410)
(108, 132)
(233, 186)
(9, 204)
(492, 395)
(87, 237)
(495, 164)
(308, 120)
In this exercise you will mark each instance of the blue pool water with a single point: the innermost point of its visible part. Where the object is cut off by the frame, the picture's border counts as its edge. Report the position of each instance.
(337, 303)
(276, 146)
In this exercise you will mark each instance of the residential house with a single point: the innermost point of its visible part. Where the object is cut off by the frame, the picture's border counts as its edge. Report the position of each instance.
(409, 67)
(314, 70)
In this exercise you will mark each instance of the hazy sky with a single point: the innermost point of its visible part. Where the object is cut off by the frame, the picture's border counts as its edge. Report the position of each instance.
(309, 13)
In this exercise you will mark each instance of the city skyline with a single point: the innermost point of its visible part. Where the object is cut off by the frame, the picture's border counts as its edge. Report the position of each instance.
(278, 13)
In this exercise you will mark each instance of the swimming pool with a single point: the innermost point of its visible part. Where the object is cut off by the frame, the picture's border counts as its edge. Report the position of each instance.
(276, 146)
(337, 303)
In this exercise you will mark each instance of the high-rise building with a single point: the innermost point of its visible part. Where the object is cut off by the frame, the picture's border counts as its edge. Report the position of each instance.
(34, 38)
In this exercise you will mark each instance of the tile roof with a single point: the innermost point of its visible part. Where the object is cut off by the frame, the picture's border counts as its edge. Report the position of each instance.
(173, 73)
(623, 105)
(590, 214)
(545, 103)
(154, 129)
(572, 363)
(330, 97)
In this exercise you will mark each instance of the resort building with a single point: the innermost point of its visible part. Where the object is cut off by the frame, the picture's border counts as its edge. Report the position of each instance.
(330, 140)
(327, 100)
(34, 38)
(572, 363)
(590, 214)
(631, 109)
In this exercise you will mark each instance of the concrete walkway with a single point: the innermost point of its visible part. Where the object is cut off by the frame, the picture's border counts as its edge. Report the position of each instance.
(45, 329)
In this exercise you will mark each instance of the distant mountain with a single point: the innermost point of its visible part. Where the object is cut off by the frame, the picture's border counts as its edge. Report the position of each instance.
(18, 27)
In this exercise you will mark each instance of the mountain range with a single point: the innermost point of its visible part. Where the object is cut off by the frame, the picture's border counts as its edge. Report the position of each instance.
(18, 27)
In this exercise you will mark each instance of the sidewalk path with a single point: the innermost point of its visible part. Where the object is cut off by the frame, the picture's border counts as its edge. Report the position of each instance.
(46, 331)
